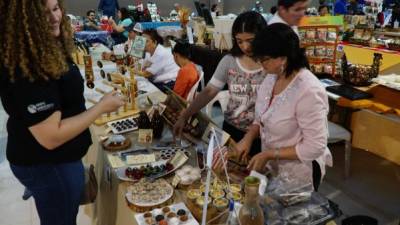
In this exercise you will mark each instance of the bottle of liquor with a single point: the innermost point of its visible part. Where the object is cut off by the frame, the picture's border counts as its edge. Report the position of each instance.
(157, 124)
(144, 121)
(251, 212)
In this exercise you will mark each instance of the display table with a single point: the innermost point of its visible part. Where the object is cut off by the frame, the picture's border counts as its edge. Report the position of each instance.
(111, 206)
(357, 54)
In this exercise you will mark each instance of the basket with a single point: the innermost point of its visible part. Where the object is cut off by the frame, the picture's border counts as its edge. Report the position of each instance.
(358, 74)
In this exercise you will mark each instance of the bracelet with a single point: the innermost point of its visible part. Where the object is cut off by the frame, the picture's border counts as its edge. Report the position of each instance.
(276, 154)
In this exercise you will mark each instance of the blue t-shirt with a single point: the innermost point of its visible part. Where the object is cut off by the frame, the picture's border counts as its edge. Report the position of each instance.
(340, 7)
(125, 23)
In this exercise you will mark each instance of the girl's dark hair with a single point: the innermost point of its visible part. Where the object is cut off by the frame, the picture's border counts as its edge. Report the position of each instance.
(279, 40)
(124, 13)
(249, 22)
(182, 48)
(90, 11)
(154, 36)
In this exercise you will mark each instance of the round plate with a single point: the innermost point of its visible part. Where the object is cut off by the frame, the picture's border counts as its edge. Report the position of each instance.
(168, 189)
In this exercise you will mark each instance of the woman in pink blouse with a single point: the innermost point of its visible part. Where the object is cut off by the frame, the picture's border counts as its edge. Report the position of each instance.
(291, 111)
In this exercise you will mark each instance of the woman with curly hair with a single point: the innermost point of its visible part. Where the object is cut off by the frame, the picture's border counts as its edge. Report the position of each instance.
(42, 92)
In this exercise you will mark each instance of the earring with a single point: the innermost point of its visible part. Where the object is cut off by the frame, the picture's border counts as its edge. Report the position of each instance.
(282, 68)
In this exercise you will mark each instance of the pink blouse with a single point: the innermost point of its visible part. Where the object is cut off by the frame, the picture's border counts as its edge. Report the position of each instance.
(296, 117)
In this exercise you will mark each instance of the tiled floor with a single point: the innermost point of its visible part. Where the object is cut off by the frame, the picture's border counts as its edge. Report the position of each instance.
(373, 188)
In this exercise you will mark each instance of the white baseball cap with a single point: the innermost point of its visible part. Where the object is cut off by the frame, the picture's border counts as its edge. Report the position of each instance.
(138, 28)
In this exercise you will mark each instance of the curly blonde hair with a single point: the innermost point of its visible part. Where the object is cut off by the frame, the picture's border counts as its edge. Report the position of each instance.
(27, 43)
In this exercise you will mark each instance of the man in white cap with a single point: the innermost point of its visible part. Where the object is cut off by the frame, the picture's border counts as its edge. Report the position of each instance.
(258, 7)
(175, 11)
(135, 30)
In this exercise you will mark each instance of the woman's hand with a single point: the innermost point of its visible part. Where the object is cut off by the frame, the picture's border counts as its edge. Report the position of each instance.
(110, 102)
(259, 161)
(243, 149)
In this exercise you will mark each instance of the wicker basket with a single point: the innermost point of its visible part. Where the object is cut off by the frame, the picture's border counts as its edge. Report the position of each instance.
(360, 75)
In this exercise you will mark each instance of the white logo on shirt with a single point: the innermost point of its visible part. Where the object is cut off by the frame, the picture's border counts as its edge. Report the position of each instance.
(39, 107)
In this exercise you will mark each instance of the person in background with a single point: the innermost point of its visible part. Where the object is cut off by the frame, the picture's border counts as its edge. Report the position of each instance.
(136, 30)
(42, 93)
(291, 112)
(340, 7)
(215, 10)
(243, 76)
(290, 13)
(121, 30)
(258, 7)
(188, 74)
(91, 23)
(108, 7)
(175, 11)
(162, 69)
(271, 13)
(323, 10)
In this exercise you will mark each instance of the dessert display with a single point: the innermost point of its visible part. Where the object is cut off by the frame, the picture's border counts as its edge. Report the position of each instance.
(200, 201)
(152, 170)
(177, 214)
(188, 175)
(147, 194)
(220, 203)
(148, 171)
(123, 125)
(116, 143)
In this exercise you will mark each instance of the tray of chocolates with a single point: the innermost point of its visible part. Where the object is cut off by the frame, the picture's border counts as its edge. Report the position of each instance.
(124, 125)
(176, 214)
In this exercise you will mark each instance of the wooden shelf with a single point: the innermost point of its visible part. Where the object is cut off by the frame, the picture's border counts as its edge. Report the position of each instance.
(318, 60)
(317, 44)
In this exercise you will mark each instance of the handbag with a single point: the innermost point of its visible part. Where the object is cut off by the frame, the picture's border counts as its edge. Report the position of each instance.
(91, 186)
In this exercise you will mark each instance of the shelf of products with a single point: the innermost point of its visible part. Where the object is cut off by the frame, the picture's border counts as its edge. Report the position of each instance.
(320, 43)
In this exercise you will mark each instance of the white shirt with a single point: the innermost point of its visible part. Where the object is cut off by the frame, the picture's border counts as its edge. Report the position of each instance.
(277, 19)
(163, 66)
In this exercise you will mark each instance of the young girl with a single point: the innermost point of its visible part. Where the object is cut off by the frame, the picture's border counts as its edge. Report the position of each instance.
(242, 75)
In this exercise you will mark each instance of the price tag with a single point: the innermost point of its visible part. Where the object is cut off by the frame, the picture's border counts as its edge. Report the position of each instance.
(145, 136)
(176, 181)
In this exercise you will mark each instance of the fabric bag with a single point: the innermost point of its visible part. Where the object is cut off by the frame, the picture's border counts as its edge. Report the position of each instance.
(91, 186)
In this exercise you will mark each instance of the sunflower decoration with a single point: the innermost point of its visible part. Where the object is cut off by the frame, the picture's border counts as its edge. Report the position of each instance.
(183, 15)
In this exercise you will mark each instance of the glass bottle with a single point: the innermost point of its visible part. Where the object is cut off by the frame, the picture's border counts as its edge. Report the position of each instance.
(144, 121)
(157, 124)
(251, 212)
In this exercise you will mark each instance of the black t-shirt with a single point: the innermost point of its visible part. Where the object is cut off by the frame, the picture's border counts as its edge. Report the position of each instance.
(29, 103)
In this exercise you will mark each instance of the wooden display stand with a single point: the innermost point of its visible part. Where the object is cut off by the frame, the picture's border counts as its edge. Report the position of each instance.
(128, 87)
(318, 60)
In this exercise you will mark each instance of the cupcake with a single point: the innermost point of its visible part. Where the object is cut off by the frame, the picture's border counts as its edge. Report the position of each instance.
(147, 215)
(181, 212)
(220, 203)
(200, 201)
(183, 218)
(171, 215)
(166, 210)
(193, 194)
(149, 221)
(159, 218)
(216, 193)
